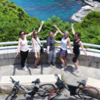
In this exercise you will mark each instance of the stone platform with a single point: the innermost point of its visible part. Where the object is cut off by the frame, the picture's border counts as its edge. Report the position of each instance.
(68, 75)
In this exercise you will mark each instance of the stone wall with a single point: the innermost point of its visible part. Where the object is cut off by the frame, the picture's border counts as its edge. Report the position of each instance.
(7, 58)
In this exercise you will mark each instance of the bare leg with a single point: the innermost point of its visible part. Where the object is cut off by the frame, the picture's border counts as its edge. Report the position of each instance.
(62, 60)
(65, 61)
(40, 58)
(36, 61)
(76, 64)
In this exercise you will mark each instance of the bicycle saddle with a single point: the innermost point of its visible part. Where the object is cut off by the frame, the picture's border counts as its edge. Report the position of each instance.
(37, 81)
(83, 82)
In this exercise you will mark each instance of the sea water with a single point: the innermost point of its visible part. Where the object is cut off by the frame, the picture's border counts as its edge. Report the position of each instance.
(44, 9)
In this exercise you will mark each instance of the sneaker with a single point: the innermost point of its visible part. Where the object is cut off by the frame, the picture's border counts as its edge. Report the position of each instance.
(25, 69)
(53, 64)
(62, 69)
(50, 64)
(38, 66)
(77, 70)
(63, 66)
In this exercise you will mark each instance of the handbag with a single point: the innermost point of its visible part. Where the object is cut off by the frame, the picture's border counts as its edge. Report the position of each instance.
(41, 48)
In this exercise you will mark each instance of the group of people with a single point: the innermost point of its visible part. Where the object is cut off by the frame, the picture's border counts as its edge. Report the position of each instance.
(23, 47)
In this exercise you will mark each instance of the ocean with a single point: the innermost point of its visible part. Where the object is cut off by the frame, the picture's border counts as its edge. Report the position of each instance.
(44, 9)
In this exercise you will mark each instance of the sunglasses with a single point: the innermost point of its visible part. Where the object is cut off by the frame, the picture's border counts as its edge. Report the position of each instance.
(22, 34)
(75, 36)
(35, 34)
(65, 34)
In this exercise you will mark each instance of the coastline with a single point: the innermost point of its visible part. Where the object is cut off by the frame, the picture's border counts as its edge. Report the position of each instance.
(92, 6)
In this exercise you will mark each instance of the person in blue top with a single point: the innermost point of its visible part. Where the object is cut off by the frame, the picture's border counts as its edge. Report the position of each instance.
(77, 43)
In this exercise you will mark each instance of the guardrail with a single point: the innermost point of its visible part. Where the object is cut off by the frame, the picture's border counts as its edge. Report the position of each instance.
(9, 49)
(44, 41)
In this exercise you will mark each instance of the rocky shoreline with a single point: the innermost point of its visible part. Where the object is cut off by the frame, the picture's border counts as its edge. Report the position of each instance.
(92, 6)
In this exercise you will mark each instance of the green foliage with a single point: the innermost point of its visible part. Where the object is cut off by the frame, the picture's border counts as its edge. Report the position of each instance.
(90, 28)
(14, 19)
(48, 26)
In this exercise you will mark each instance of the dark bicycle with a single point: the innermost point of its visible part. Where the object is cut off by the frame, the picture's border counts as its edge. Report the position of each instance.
(80, 91)
(41, 90)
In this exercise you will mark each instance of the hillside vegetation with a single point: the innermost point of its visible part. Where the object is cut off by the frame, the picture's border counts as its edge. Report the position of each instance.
(14, 19)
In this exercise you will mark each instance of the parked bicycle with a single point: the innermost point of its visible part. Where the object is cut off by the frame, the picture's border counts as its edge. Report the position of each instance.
(41, 90)
(79, 92)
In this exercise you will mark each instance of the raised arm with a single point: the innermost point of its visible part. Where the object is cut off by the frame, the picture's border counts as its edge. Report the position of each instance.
(70, 47)
(80, 43)
(30, 33)
(40, 26)
(34, 46)
(73, 29)
(58, 30)
(55, 33)
(18, 48)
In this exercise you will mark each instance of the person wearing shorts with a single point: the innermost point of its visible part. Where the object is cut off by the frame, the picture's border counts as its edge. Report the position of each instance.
(63, 48)
(77, 43)
(37, 46)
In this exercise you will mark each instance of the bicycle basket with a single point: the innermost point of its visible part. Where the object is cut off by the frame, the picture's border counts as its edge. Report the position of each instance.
(72, 89)
(59, 85)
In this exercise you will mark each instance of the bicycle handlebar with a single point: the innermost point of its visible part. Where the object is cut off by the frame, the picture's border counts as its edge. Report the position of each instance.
(19, 86)
(13, 81)
(58, 79)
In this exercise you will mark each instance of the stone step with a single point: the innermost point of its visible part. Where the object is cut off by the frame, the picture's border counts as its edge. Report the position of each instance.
(93, 83)
(6, 85)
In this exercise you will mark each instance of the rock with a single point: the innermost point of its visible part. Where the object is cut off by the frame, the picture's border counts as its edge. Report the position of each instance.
(94, 5)
(78, 17)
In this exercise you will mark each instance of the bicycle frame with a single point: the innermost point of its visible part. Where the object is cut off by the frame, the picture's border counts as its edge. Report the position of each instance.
(30, 92)
(71, 88)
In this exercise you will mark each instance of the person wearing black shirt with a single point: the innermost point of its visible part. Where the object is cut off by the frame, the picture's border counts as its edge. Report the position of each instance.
(77, 43)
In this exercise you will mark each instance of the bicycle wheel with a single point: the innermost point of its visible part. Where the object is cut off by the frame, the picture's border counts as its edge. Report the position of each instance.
(54, 94)
(45, 90)
(88, 92)
(12, 95)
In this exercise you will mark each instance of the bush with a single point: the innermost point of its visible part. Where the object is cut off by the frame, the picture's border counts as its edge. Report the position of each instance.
(14, 19)
(90, 28)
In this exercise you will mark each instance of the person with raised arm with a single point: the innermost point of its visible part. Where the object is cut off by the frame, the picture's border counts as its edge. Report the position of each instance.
(63, 49)
(77, 43)
(37, 45)
(51, 48)
(23, 48)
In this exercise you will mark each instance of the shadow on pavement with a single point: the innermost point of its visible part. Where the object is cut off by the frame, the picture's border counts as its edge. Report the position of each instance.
(18, 67)
(71, 70)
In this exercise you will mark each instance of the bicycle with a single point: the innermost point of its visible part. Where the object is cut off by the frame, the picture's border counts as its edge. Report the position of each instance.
(40, 90)
(80, 91)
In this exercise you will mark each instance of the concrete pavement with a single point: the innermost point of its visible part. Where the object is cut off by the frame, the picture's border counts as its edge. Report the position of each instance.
(68, 75)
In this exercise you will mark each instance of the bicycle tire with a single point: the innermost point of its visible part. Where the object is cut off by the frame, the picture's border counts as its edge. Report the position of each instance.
(54, 94)
(46, 90)
(87, 92)
(11, 95)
